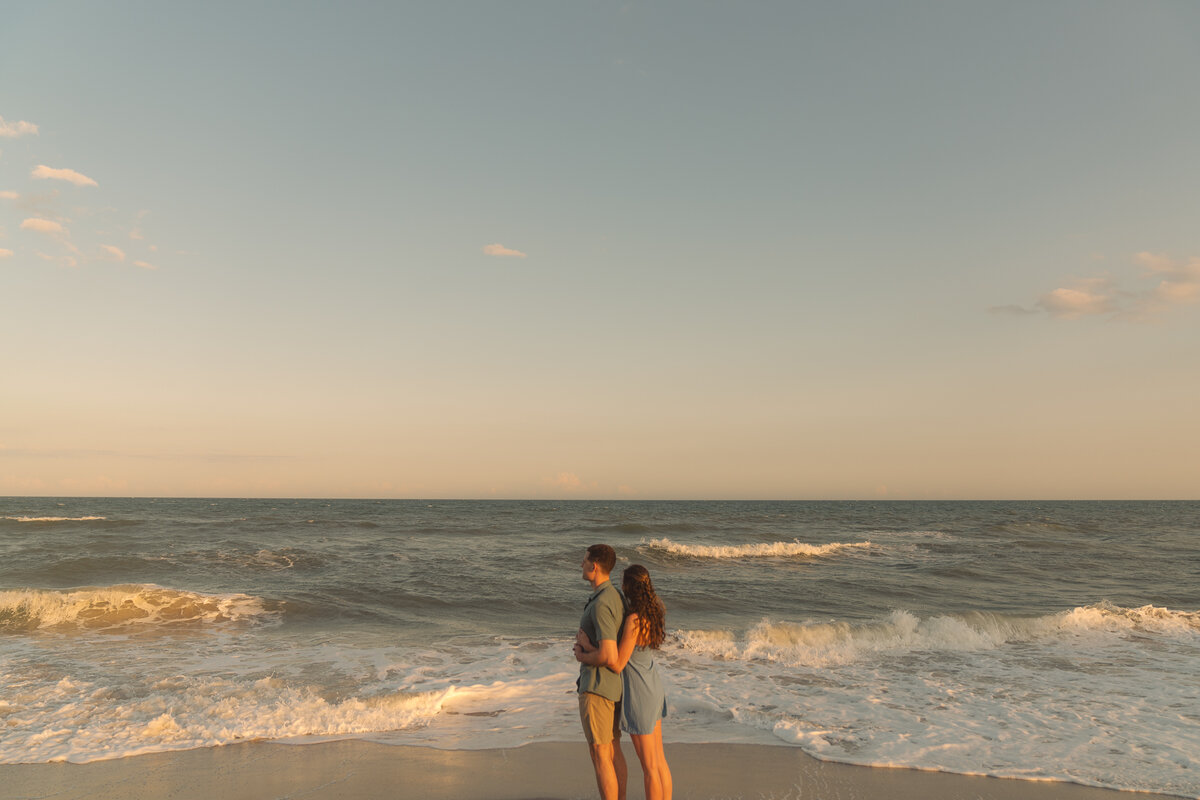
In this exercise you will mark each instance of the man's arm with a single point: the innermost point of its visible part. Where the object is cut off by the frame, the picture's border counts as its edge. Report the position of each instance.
(609, 616)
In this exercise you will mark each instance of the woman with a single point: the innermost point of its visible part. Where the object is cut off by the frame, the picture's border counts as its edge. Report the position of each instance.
(644, 701)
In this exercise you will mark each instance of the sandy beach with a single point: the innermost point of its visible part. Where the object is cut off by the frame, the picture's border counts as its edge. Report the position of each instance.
(365, 771)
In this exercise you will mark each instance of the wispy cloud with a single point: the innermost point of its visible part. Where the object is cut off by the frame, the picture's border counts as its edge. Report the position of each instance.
(1174, 283)
(113, 252)
(144, 265)
(71, 176)
(1178, 281)
(42, 226)
(6, 195)
(5, 253)
(501, 250)
(11, 130)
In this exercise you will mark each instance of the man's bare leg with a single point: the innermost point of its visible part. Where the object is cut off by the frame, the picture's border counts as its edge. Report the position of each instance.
(607, 780)
(620, 768)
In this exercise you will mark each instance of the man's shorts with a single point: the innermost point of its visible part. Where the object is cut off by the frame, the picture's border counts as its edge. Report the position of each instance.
(601, 718)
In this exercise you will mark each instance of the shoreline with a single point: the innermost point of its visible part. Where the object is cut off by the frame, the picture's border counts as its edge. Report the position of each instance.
(363, 770)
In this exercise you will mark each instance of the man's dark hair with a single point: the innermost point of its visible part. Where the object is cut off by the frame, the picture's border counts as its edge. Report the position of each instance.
(602, 556)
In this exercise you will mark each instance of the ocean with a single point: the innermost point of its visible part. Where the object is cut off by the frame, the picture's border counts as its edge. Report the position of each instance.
(1053, 641)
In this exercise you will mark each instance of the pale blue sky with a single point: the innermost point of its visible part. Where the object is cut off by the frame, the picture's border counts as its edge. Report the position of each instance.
(770, 250)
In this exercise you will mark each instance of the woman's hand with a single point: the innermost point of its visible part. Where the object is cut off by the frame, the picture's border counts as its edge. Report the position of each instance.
(583, 642)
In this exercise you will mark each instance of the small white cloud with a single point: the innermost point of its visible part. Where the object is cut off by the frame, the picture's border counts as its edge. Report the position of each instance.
(5, 253)
(1075, 303)
(1178, 283)
(71, 176)
(9, 195)
(11, 130)
(42, 226)
(501, 250)
(113, 252)
(144, 265)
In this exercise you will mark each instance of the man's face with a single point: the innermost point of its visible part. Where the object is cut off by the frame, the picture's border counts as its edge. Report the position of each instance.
(588, 569)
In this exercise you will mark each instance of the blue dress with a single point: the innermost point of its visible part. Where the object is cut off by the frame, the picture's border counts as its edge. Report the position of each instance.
(644, 702)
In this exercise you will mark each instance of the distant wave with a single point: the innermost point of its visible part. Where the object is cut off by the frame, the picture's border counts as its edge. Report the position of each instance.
(52, 519)
(830, 643)
(116, 607)
(762, 550)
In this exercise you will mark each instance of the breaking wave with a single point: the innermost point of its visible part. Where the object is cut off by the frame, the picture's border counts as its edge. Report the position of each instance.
(791, 549)
(818, 644)
(119, 607)
(79, 721)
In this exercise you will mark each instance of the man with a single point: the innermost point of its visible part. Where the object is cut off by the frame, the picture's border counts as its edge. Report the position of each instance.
(599, 686)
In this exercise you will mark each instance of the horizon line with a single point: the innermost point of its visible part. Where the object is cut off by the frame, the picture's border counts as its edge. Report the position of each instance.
(611, 499)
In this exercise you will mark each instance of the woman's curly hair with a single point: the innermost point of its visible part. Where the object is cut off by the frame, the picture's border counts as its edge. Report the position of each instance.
(643, 601)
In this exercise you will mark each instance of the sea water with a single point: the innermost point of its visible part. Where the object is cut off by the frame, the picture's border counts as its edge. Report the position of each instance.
(1037, 640)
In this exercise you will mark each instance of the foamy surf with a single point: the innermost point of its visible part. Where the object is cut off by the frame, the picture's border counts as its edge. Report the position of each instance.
(823, 644)
(79, 721)
(119, 607)
(791, 549)
(979, 693)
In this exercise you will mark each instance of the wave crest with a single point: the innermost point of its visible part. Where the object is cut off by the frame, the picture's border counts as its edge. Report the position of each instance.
(117, 607)
(819, 644)
(790, 549)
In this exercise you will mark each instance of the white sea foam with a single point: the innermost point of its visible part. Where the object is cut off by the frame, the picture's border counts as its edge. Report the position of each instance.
(117, 607)
(1147, 619)
(74, 720)
(759, 550)
(1012, 696)
(308, 694)
(817, 644)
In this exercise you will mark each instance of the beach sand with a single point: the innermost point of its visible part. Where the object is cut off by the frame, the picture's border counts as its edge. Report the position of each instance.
(357, 770)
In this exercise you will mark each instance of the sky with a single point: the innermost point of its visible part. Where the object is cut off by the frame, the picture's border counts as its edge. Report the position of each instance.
(836, 250)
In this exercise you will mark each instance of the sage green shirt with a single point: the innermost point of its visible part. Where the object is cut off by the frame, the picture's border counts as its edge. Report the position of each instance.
(602, 619)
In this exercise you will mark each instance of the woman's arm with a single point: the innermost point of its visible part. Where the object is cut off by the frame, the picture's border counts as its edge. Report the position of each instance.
(586, 653)
(629, 637)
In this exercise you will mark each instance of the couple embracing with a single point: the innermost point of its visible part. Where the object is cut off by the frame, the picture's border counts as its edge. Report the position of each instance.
(619, 685)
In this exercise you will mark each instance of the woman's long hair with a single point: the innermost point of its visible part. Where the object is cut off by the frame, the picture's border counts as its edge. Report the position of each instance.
(644, 602)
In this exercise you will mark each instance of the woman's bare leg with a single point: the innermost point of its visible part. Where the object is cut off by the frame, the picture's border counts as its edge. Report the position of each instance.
(656, 775)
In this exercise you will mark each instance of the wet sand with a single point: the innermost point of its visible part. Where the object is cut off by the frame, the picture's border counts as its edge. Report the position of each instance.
(357, 770)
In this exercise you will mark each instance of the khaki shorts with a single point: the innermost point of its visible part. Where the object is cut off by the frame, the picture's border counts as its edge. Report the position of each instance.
(601, 718)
